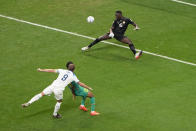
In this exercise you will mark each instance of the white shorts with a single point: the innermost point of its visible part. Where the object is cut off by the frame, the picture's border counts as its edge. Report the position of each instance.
(58, 93)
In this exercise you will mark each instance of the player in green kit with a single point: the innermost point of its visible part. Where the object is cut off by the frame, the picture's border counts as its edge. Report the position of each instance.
(77, 90)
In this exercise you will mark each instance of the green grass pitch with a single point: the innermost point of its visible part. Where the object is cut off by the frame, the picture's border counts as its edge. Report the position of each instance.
(151, 94)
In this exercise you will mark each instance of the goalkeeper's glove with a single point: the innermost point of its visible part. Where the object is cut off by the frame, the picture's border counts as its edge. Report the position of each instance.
(111, 34)
(136, 28)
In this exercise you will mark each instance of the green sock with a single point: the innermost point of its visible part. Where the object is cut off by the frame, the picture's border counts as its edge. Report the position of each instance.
(83, 101)
(92, 103)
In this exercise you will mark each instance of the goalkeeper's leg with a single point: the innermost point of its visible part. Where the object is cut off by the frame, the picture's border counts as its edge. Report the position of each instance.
(125, 40)
(104, 37)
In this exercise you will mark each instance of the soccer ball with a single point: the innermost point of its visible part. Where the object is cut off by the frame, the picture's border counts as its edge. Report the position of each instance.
(90, 19)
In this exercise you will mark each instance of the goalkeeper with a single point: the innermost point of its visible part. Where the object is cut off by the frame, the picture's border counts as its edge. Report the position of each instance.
(77, 90)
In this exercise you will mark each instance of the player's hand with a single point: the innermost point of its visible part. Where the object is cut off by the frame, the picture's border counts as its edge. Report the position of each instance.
(38, 69)
(90, 88)
(136, 28)
(111, 34)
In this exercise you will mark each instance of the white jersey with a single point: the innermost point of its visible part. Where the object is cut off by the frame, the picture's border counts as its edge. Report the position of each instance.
(64, 78)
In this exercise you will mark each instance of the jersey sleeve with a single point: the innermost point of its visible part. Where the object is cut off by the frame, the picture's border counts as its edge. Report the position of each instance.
(130, 21)
(59, 71)
(75, 78)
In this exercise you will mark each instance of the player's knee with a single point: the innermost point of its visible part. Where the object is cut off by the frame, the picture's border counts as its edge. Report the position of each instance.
(60, 101)
(91, 94)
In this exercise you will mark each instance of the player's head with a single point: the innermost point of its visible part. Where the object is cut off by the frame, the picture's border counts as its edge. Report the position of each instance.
(70, 66)
(118, 14)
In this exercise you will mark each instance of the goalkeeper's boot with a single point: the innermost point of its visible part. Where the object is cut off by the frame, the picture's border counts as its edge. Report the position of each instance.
(85, 48)
(138, 55)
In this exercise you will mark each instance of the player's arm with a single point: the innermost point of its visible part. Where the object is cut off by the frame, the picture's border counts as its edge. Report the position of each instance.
(134, 24)
(111, 29)
(47, 70)
(111, 32)
(84, 85)
(113, 26)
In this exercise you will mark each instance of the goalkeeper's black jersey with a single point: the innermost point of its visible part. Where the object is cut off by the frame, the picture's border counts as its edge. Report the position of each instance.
(120, 26)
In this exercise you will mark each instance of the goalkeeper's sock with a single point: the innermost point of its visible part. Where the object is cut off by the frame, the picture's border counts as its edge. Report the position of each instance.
(93, 43)
(132, 48)
(83, 101)
(92, 104)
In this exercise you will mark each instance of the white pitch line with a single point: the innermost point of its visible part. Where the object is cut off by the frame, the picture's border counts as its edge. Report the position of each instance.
(182, 2)
(76, 34)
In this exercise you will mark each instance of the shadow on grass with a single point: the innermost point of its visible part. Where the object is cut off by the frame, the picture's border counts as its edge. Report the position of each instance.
(64, 107)
(45, 111)
(103, 54)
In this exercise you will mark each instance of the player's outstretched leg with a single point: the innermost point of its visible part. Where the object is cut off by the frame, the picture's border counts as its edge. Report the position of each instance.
(35, 98)
(82, 106)
(104, 37)
(93, 112)
(56, 109)
(132, 47)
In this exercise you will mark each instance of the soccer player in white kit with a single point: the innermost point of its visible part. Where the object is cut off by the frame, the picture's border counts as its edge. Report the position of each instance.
(64, 78)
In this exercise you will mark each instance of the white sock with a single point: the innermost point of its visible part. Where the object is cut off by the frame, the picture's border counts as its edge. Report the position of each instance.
(35, 98)
(56, 108)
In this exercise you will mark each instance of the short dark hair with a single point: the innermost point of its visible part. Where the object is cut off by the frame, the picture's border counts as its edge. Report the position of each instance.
(68, 63)
(118, 11)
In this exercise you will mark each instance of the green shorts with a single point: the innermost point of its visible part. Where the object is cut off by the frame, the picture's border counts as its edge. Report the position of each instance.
(81, 92)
